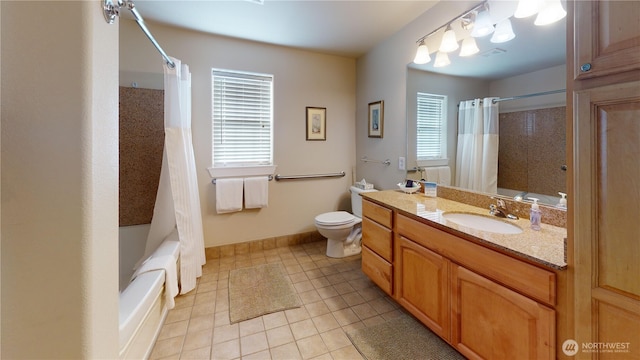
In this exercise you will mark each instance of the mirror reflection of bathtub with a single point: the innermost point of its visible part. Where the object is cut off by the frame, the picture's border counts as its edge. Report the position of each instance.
(519, 195)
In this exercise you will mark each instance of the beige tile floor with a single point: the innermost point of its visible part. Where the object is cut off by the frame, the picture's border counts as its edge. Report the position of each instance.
(337, 297)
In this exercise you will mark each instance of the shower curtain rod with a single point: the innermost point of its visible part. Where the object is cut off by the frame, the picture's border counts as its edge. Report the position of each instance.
(112, 10)
(529, 95)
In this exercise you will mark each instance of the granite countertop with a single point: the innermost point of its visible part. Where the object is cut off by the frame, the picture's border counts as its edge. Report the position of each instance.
(546, 246)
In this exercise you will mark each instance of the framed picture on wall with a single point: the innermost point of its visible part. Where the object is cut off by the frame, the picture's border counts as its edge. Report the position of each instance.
(316, 123)
(376, 119)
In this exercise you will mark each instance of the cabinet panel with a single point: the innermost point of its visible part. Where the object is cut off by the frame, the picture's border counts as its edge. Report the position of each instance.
(377, 213)
(378, 270)
(607, 40)
(606, 229)
(618, 146)
(490, 321)
(618, 326)
(423, 285)
(377, 238)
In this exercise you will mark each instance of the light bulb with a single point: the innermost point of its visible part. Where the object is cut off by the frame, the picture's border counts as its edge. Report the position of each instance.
(442, 59)
(526, 8)
(483, 25)
(503, 33)
(469, 47)
(422, 55)
(550, 12)
(449, 41)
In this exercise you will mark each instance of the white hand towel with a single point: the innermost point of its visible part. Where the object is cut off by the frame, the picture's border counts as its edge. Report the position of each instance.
(431, 174)
(228, 195)
(444, 175)
(168, 264)
(256, 192)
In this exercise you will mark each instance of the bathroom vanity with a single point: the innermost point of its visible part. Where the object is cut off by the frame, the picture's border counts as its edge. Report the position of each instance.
(491, 295)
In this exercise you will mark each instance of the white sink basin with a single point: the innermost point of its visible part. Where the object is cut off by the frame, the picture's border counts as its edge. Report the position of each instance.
(482, 222)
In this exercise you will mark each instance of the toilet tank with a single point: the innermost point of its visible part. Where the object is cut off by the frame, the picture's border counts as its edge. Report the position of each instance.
(356, 200)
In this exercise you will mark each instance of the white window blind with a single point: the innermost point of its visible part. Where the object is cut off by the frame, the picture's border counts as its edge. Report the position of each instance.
(242, 115)
(431, 126)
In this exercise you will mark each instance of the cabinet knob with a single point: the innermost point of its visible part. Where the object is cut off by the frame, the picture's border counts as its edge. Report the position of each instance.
(585, 67)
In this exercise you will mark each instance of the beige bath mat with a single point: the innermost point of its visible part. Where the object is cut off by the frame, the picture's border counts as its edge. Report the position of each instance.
(259, 290)
(401, 338)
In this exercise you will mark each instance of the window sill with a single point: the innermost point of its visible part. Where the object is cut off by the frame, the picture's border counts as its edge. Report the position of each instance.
(242, 171)
(434, 162)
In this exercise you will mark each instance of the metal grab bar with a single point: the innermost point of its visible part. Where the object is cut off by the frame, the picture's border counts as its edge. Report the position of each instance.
(313, 176)
(386, 162)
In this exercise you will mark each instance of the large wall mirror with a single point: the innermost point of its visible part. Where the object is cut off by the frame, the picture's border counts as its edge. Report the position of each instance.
(527, 75)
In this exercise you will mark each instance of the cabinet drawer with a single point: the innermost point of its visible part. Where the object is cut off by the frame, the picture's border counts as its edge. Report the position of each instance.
(377, 213)
(530, 280)
(377, 238)
(378, 270)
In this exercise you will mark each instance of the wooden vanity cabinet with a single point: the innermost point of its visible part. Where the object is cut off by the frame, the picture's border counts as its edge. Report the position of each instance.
(486, 304)
(377, 244)
(466, 294)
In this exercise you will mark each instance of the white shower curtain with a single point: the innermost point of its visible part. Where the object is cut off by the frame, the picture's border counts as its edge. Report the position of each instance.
(178, 200)
(477, 155)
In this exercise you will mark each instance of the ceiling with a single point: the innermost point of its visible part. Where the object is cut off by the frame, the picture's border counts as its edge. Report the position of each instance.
(352, 28)
(338, 27)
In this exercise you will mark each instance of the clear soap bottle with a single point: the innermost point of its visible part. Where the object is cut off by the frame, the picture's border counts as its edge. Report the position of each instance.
(535, 214)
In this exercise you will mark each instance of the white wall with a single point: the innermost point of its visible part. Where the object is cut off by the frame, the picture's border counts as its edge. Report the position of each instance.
(59, 181)
(301, 79)
(550, 79)
(382, 75)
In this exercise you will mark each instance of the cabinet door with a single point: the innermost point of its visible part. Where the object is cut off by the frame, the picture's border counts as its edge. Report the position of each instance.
(422, 285)
(607, 39)
(606, 229)
(490, 321)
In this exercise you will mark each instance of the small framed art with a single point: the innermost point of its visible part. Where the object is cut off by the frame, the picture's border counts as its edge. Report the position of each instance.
(316, 123)
(376, 119)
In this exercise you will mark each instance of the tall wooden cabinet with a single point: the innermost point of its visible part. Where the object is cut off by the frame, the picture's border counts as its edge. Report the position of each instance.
(605, 173)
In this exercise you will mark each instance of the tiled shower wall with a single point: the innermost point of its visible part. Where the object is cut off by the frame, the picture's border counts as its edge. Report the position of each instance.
(141, 145)
(532, 151)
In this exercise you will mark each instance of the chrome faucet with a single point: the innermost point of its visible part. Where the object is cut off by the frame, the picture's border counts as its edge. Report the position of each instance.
(499, 209)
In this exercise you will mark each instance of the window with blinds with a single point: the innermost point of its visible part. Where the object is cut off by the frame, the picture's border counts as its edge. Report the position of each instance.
(431, 127)
(242, 115)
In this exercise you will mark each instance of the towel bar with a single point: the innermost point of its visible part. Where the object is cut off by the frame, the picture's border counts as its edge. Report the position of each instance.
(214, 180)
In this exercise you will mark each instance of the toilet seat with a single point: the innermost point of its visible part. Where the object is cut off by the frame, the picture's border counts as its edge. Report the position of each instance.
(334, 218)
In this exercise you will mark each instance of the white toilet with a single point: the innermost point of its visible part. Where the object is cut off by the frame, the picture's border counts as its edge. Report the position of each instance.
(343, 230)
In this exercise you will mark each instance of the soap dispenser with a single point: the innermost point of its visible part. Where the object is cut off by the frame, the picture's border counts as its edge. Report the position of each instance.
(563, 200)
(535, 215)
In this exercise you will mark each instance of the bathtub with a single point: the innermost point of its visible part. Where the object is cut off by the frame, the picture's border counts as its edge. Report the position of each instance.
(142, 307)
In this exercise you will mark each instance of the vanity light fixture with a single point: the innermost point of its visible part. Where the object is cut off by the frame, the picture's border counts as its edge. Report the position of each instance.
(469, 47)
(550, 12)
(449, 41)
(483, 25)
(442, 59)
(422, 56)
(503, 33)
